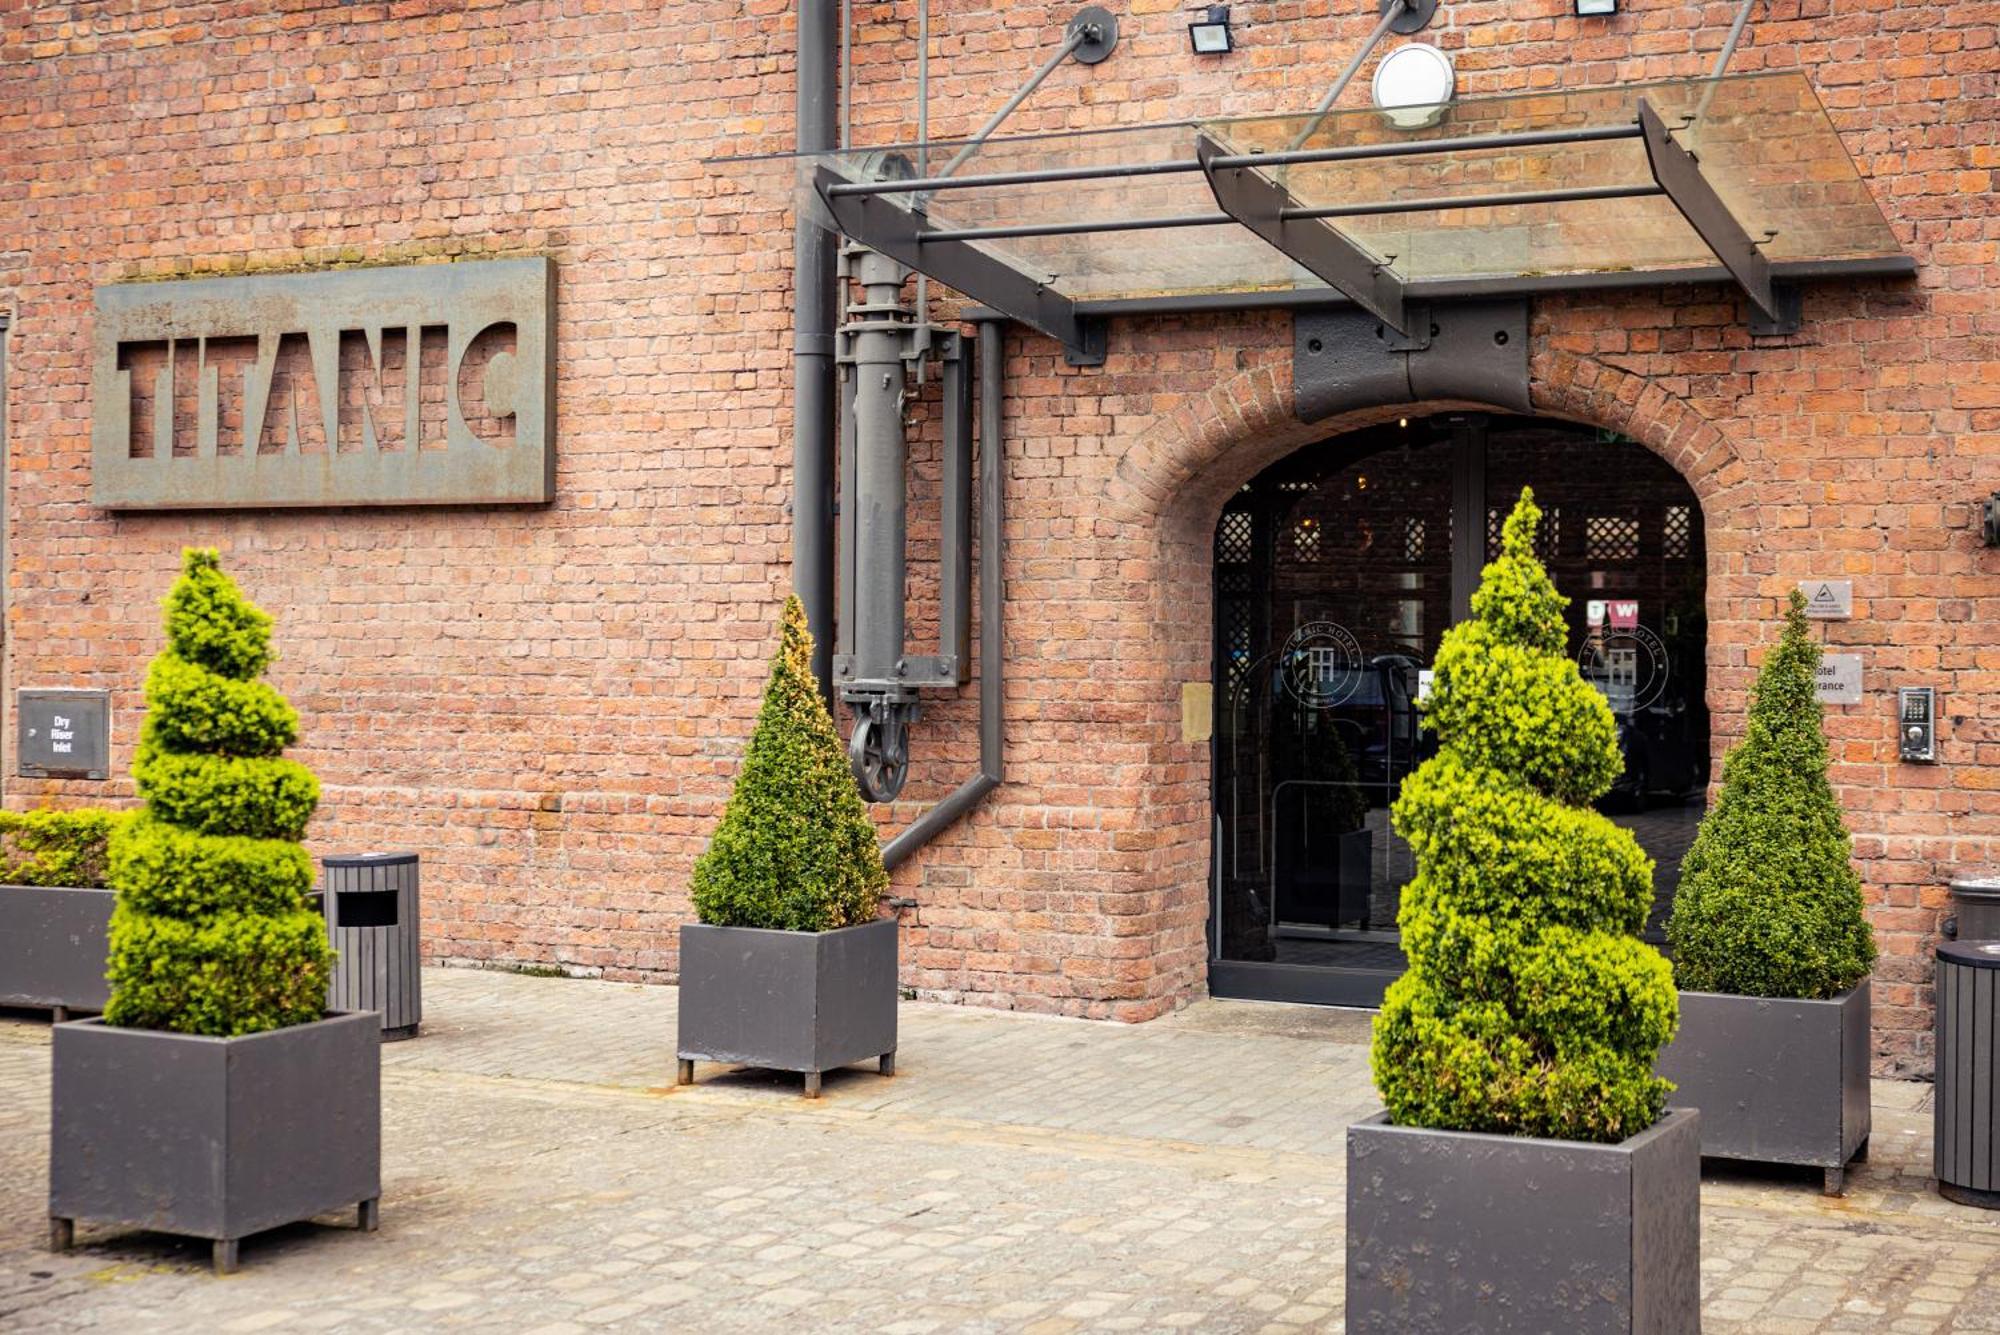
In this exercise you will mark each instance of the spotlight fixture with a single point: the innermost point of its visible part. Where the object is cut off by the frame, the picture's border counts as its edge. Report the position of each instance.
(1591, 9)
(1412, 85)
(1210, 36)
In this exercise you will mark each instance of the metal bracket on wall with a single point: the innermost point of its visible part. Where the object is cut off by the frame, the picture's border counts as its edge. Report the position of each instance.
(1263, 205)
(906, 235)
(1678, 172)
(1471, 351)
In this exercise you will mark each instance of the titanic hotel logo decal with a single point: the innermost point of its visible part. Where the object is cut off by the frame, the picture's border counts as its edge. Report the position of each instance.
(1321, 665)
(1622, 658)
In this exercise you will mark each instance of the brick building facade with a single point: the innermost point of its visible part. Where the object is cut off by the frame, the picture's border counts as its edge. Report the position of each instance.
(550, 701)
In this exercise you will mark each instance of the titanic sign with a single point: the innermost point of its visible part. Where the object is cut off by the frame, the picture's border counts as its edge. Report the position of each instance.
(427, 384)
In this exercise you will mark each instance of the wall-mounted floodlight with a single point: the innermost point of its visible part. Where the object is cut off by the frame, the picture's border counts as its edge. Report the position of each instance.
(1413, 83)
(1591, 9)
(1210, 35)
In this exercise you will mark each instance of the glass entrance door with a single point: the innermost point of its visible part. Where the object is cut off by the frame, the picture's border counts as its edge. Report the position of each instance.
(1337, 572)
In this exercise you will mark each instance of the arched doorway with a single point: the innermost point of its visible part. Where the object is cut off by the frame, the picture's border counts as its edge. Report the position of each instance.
(1337, 571)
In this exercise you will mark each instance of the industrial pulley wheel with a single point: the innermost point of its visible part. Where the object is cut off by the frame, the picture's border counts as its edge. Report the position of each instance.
(879, 754)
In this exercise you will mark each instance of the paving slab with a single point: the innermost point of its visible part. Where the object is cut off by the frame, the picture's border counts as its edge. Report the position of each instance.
(1019, 1173)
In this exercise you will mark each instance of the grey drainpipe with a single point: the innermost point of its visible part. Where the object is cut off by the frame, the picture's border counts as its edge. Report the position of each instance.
(813, 258)
(992, 591)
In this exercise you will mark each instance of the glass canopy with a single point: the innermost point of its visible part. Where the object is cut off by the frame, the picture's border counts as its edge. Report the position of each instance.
(1741, 178)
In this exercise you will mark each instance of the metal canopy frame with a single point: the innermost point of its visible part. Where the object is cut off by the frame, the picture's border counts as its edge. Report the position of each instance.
(1267, 208)
(905, 235)
(1251, 191)
(1679, 174)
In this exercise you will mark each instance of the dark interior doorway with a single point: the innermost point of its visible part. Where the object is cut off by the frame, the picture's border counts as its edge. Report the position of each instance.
(1337, 572)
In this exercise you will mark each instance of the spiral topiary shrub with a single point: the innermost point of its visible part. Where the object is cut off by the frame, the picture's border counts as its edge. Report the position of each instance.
(1530, 1007)
(1769, 903)
(212, 933)
(795, 849)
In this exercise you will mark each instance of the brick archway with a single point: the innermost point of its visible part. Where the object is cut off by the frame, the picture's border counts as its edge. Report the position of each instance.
(1170, 485)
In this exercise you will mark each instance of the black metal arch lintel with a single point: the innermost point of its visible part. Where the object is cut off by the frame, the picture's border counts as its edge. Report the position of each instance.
(905, 236)
(1260, 204)
(1679, 174)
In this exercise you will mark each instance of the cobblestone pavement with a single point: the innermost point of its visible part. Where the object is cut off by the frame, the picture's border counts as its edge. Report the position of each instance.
(1018, 1173)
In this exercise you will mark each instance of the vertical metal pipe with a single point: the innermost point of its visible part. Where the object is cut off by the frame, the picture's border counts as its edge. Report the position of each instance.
(923, 87)
(992, 604)
(955, 522)
(846, 72)
(813, 253)
(881, 526)
(992, 512)
(923, 144)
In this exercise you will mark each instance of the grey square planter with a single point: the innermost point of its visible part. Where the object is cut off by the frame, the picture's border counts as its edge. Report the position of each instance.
(54, 944)
(1456, 1231)
(214, 1138)
(1777, 1081)
(788, 1001)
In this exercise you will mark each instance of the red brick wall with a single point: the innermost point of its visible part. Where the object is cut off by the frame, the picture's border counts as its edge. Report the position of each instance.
(550, 702)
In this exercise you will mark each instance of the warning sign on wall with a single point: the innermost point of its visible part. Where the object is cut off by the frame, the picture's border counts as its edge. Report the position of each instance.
(1828, 599)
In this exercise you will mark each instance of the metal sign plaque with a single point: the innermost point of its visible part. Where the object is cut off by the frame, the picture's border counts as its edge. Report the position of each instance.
(1839, 681)
(427, 384)
(1828, 599)
(64, 734)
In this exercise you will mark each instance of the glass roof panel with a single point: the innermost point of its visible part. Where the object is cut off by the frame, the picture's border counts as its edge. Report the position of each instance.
(1438, 213)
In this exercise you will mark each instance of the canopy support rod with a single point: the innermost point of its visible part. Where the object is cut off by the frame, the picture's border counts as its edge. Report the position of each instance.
(1390, 14)
(1723, 57)
(901, 234)
(1679, 174)
(1259, 203)
(1089, 37)
(1472, 143)
(1071, 42)
(1168, 221)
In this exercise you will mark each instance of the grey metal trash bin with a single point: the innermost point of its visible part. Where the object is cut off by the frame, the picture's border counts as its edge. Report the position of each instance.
(1975, 904)
(1967, 1117)
(372, 920)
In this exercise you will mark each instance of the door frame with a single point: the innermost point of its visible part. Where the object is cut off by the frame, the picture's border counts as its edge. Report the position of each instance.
(1333, 984)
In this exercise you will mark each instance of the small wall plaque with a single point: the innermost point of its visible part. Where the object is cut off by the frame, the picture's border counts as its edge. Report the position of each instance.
(1197, 711)
(1828, 599)
(64, 734)
(1839, 680)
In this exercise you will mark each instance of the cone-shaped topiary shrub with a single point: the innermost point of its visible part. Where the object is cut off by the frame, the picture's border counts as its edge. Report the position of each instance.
(795, 849)
(212, 933)
(1769, 904)
(1530, 1007)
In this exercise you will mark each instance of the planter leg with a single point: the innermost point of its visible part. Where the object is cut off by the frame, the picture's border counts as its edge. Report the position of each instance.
(225, 1256)
(60, 1015)
(62, 1234)
(1836, 1182)
(812, 1084)
(685, 1076)
(368, 1215)
(888, 1064)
